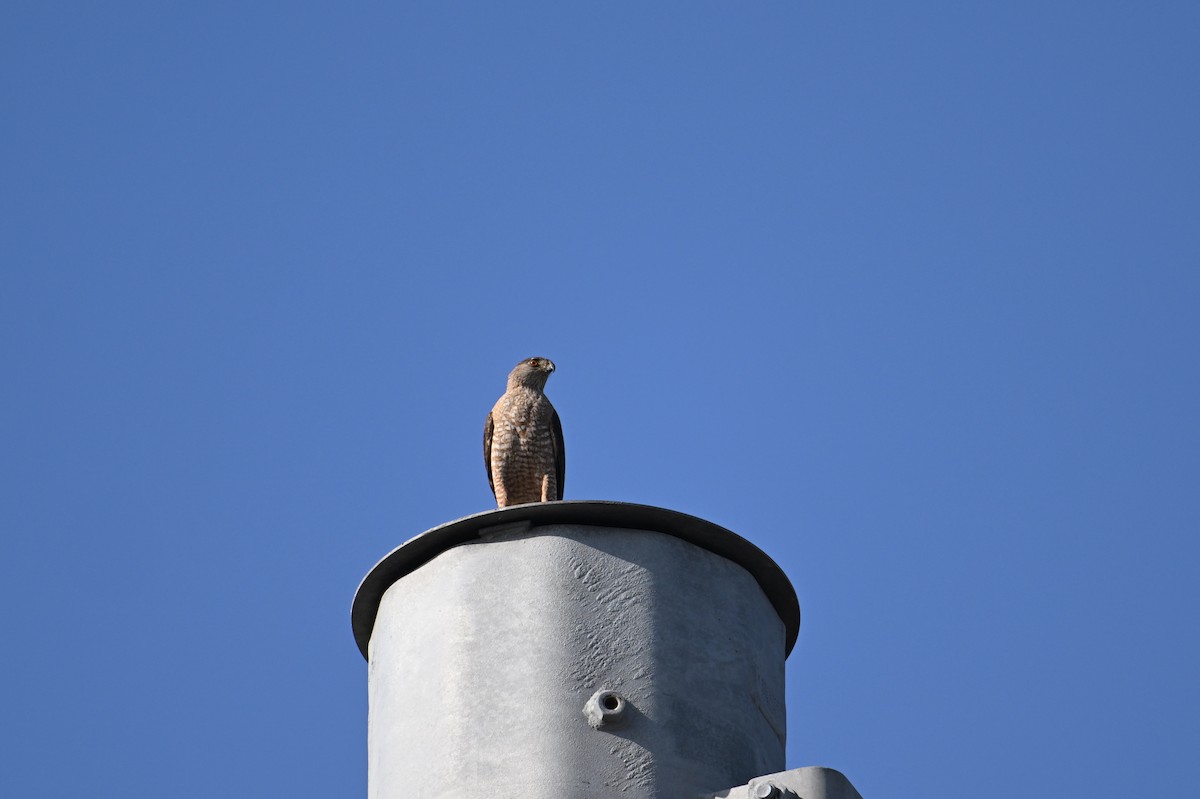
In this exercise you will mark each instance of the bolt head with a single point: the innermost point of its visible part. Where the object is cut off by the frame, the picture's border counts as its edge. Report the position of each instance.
(766, 790)
(605, 709)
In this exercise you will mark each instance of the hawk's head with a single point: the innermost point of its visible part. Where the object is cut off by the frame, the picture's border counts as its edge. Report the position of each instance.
(531, 373)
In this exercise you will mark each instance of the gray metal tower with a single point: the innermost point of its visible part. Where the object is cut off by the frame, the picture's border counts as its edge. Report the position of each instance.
(580, 650)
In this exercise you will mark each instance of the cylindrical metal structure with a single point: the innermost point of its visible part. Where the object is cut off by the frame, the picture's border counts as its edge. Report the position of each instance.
(588, 650)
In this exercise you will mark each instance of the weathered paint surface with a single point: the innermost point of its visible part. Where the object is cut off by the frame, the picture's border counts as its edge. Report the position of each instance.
(483, 662)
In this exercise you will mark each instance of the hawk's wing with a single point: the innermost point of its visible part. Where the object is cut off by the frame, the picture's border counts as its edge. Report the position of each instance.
(487, 451)
(560, 451)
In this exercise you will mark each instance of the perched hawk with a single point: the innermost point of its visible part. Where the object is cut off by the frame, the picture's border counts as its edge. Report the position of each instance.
(523, 441)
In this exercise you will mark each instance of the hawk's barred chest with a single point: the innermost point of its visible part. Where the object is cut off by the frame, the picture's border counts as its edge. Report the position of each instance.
(522, 444)
(521, 418)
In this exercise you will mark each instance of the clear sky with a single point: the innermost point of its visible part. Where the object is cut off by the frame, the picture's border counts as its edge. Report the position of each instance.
(906, 294)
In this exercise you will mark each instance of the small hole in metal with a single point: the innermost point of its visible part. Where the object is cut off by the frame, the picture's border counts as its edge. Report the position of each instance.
(610, 701)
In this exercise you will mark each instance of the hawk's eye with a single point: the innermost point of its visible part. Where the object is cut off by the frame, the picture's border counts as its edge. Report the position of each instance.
(534, 362)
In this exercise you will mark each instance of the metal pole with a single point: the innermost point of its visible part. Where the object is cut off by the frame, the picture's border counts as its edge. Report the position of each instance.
(587, 650)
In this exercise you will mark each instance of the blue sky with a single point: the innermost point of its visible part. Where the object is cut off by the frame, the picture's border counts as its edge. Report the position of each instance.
(905, 295)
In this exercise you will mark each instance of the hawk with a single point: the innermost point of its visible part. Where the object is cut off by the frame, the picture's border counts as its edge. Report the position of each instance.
(523, 441)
